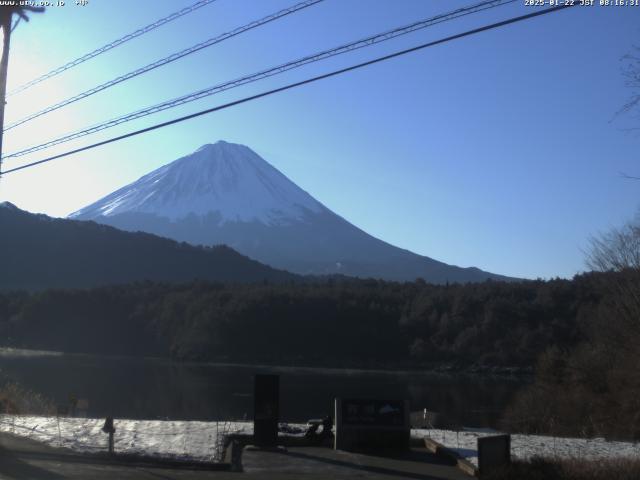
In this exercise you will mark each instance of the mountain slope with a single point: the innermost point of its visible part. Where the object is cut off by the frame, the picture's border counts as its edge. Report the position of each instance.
(42, 252)
(226, 194)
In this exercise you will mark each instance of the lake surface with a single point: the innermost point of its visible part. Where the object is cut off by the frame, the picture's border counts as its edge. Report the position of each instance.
(155, 388)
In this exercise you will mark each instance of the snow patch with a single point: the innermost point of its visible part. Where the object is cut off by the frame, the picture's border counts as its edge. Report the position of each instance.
(465, 444)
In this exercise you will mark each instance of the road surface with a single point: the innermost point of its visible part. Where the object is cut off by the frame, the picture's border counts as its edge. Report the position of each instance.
(26, 459)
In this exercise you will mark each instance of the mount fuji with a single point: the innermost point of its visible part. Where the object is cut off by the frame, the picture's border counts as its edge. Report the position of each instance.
(225, 193)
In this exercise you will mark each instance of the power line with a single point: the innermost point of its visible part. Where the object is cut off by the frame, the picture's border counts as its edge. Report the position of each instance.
(111, 45)
(297, 84)
(167, 60)
(381, 37)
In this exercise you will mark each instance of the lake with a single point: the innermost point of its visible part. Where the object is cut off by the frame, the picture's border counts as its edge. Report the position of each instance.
(156, 388)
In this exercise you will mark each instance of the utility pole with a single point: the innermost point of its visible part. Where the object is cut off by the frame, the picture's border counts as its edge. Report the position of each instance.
(6, 15)
(6, 18)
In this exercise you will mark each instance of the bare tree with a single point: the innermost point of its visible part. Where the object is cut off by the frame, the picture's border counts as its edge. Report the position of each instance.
(631, 72)
(594, 387)
(617, 324)
(616, 250)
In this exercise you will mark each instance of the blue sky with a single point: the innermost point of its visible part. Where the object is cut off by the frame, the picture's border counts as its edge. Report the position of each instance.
(501, 150)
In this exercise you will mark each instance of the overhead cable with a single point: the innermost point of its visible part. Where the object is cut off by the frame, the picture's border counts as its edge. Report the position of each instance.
(111, 45)
(290, 86)
(366, 42)
(166, 60)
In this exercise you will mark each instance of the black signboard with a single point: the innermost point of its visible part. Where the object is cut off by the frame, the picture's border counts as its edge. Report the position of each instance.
(372, 425)
(266, 410)
(387, 413)
(494, 452)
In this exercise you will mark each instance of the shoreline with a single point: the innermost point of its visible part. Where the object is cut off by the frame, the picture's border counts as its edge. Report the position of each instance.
(427, 369)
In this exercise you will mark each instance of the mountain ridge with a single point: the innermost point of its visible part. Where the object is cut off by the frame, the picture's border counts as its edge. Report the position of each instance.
(42, 252)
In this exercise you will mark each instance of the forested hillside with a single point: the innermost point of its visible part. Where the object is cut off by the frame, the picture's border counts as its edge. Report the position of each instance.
(338, 322)
(41, 252)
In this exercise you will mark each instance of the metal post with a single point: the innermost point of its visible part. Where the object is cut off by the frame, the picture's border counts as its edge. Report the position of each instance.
(110, 429)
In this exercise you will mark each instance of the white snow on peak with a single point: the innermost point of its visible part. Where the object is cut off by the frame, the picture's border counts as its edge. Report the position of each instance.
(225, 179)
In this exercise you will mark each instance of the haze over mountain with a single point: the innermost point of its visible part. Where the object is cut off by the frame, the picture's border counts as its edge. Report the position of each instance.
(225, 193)
(41, 252)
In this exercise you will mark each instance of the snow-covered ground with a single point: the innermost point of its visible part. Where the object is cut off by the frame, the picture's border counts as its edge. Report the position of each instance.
(185, 440)
(203, 441)
(527, 446)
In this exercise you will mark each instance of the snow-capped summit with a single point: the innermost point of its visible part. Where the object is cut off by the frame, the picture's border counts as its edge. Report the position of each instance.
(226, 193)
(227, 180)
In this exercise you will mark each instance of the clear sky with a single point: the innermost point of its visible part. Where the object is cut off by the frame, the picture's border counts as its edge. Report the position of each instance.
(501, 150)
